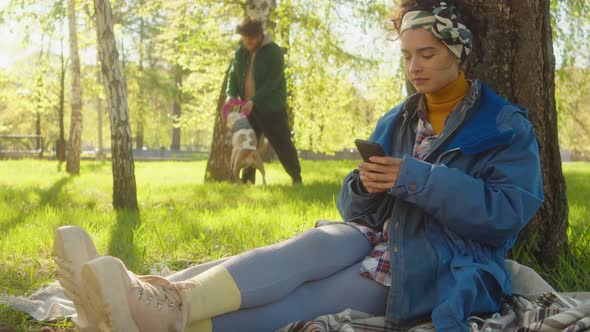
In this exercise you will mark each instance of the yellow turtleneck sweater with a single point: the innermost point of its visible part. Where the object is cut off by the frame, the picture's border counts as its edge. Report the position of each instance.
(442, 102)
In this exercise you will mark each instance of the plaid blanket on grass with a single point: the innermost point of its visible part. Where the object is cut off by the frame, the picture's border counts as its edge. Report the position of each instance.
(550, 312)
(350, 321)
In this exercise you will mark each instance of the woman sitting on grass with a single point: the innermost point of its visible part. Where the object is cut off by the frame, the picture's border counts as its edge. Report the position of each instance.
(426, 228)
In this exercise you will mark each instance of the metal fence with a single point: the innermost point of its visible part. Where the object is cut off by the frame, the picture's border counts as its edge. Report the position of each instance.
(21, 146)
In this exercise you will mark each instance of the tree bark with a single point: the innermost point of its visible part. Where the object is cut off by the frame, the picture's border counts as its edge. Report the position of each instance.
(513, 53)
(75, 143)
(176, 108)
(100, 154)
(140, 119)
(139, 127)
(124, 187)
(61, 142)
(218, 164)
(39, 85)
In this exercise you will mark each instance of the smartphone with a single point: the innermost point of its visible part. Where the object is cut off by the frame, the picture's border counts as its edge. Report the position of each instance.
(368, 149)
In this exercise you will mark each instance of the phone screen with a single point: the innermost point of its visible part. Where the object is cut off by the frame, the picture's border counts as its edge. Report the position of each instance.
(368, 149)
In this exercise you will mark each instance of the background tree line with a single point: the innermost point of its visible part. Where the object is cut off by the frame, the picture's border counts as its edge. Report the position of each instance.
(174, 56)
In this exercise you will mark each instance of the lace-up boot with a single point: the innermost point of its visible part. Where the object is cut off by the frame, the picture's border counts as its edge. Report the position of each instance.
(124, 302)
(73, 248)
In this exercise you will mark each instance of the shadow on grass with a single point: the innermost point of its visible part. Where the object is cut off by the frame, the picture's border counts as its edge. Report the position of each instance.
(122, 237)
(51, 195)
(222, 195)
(95, 166)
(21, 202)
(60, 166)
(316, 191)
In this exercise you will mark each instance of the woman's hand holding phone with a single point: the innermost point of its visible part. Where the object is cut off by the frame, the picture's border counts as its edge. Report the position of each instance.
(378, 173)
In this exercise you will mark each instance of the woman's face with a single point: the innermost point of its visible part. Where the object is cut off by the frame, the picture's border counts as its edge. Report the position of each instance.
(429, 64)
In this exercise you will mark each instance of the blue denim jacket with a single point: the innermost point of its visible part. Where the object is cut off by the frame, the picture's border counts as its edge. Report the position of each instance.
(455, 214)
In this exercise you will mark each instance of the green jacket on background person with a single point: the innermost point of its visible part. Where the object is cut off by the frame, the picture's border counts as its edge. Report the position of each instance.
(269, 76)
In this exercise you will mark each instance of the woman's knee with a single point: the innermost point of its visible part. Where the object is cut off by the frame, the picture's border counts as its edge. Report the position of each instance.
(336, 235)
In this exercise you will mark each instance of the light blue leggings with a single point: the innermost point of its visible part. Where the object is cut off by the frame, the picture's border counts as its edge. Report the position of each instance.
(313, 274)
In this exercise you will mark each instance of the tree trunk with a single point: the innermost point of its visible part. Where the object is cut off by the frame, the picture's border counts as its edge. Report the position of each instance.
(218, 164)
(38, 143)
(139, 128)
(124, 188)
(176, 108)
(61, 142)
(74, 145)
(39, 91)
(513, 53)
(100, 154)
(140, 119)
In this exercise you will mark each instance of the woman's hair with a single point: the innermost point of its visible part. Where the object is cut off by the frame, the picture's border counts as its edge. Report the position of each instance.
(250, 27)
(426, 5)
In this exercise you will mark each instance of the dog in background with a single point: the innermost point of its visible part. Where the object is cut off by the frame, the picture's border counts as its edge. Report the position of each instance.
(244, 152)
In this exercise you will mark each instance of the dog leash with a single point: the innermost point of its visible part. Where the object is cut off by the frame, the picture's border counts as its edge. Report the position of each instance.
(231, 103)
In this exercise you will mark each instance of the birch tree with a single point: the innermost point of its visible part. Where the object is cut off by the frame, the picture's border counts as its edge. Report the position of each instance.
(75, 142)
(124, 186)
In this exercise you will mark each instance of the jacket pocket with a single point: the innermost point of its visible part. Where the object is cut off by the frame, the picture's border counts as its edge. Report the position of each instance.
(490, 267)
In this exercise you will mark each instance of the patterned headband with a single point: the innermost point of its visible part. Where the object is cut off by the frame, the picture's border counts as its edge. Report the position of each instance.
(444, 23)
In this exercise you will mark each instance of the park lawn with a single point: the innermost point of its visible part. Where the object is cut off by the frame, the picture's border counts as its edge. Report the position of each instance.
(573, 271)
(183, 221)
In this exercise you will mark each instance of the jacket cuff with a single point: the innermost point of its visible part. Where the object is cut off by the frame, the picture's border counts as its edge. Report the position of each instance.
(356, 186)
(412, 177)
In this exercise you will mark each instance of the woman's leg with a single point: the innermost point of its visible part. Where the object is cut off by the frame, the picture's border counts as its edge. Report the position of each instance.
(194, 271)
(267, 274)
(255, 278)
(345, 289)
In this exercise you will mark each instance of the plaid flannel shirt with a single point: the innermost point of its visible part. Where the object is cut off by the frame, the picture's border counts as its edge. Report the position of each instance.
(377, 265)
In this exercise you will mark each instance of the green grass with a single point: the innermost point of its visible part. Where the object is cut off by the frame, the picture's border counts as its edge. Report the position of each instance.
(183, 221)
(572, 272)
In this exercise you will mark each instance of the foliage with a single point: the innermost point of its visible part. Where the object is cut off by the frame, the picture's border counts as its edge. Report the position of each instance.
(333, 80)
(337, 89)
(28, 96)
(332, 76)
(571, 30)
(573, 104)
(570, 20)
(195, 42)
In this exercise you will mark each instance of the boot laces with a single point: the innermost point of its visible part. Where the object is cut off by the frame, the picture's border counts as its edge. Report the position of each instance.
(158, 291)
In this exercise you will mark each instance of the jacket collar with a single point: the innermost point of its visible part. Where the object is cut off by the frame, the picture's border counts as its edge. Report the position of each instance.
(482, 126)
(472, 128)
